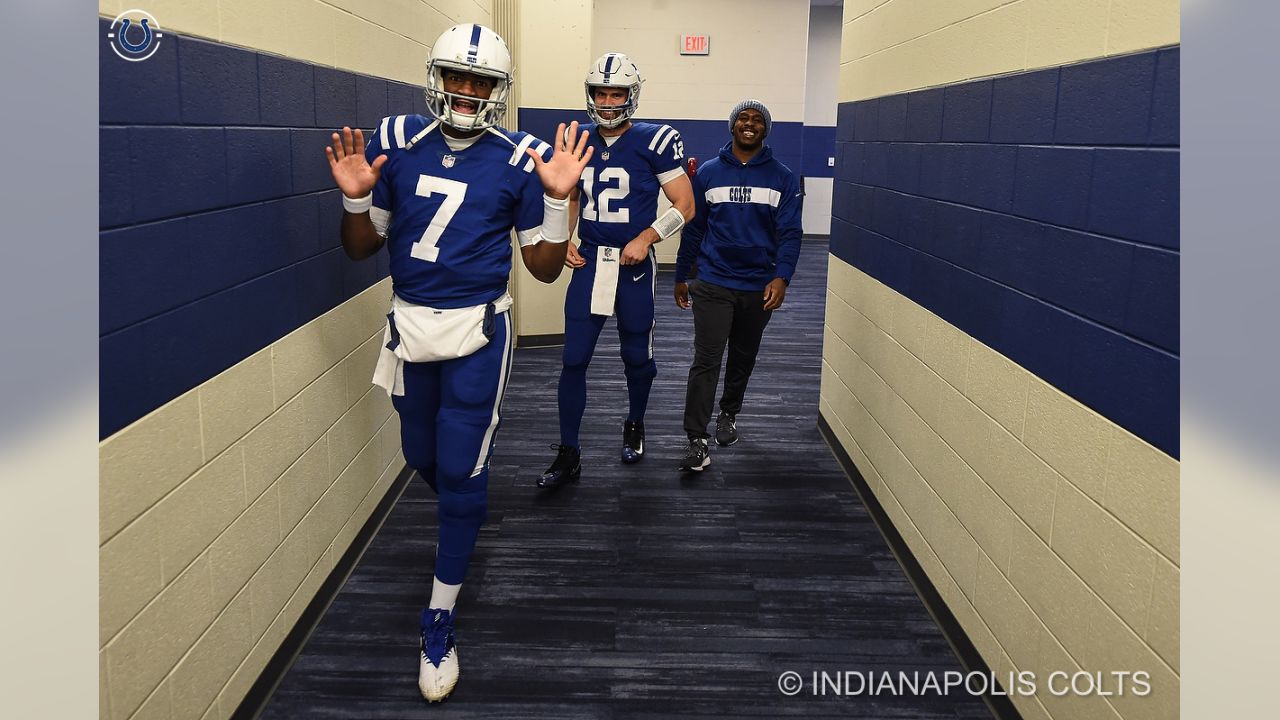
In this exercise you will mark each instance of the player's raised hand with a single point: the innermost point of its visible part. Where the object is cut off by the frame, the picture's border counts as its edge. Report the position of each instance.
(353, 173)
(560, 174)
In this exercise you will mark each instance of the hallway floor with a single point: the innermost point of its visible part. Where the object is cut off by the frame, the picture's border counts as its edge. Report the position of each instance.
(640, 593)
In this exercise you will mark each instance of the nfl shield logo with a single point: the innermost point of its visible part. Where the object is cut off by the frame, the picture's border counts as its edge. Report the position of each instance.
(448, 161)
(604, 155)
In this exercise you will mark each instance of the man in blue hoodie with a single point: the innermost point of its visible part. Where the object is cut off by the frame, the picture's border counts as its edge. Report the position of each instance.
(745, 238)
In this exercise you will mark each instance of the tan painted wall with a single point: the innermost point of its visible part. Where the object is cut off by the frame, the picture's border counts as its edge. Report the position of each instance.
(553, 51)
(707, 87)
(386, 38)
(223, 511)
(1051, 533)
(899, 45)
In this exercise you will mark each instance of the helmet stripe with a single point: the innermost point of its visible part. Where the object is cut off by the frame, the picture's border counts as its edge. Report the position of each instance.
(474, 50)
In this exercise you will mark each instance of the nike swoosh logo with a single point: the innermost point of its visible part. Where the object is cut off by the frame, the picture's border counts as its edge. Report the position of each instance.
(637, 278)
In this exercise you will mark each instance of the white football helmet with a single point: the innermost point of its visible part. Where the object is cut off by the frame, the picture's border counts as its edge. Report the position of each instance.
(614, 70)
(473, 49)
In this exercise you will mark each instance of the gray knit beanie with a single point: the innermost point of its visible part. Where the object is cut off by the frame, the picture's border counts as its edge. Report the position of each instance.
(755, 105)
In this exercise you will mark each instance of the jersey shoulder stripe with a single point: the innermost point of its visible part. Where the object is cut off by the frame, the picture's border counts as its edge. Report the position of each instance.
(520, 142)
(391, 132)
(400, 132)
(662, 146)
(663, 132)
(523, 145)
(541, 148)
(384, 140)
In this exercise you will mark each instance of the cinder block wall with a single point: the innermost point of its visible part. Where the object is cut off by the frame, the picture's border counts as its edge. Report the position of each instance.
(242, 443)
(1001, 341)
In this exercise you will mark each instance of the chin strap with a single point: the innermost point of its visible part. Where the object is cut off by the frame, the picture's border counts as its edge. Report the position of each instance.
(414, 140)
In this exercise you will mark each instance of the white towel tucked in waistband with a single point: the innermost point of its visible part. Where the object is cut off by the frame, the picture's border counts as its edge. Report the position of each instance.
(605, 287)
(416, 333)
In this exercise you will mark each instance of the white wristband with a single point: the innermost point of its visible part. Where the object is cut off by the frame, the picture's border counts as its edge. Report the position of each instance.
(555, 219)
(355, 206)
(669, 224)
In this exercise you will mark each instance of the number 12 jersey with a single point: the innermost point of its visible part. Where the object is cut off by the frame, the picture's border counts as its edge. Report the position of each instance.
(618, 192)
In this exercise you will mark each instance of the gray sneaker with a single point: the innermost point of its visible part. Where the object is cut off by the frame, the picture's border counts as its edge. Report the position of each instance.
(726, 430)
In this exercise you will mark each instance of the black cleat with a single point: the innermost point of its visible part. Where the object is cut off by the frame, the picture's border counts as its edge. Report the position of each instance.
(726, 429)
(696, 456)
(565, 469)
(632, 441)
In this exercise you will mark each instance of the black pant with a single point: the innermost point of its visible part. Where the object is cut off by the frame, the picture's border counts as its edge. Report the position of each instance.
(720, 316)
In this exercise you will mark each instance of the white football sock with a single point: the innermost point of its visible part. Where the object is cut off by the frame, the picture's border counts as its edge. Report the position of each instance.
(444, 596)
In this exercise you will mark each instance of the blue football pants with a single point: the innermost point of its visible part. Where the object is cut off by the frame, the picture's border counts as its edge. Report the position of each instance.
(633, 307)
(449, 416)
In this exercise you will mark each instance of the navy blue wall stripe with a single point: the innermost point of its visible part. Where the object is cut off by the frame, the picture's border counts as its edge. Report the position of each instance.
(1037, 212)
(702, 138)
(803, 148)
(218, 216)
(819, 145)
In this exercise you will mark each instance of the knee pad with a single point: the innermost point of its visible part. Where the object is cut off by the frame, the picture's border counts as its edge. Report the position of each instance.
(454, 469)
(636, 346)
(645, 369)
(577, 362)
(468, 505)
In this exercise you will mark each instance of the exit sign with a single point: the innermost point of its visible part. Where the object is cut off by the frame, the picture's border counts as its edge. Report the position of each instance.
(695, 44)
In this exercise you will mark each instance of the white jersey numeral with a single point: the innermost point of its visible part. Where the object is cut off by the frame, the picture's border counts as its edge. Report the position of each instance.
(590, 203)
(454, 192)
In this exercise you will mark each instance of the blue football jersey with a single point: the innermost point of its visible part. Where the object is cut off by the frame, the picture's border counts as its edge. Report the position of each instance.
(618, 192)
(448, 214)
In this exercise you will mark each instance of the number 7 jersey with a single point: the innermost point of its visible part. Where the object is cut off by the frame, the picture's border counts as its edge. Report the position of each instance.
(447, 214)
(618, 192)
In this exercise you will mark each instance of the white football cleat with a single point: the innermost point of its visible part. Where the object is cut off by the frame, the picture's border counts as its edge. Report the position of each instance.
(438, 663)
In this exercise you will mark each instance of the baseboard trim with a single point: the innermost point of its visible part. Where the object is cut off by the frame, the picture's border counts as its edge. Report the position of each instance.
(970, 659)
(537, 341)
(255, 701)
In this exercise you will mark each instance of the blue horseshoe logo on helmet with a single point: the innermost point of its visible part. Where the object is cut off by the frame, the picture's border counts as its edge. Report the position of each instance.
(146, 36)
